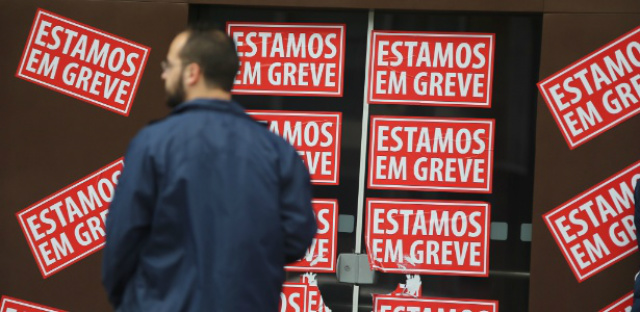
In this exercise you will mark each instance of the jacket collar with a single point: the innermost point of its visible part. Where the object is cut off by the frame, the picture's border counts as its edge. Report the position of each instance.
(210, 104)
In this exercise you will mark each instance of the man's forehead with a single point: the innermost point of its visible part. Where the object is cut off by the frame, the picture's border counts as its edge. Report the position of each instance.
(177, 43)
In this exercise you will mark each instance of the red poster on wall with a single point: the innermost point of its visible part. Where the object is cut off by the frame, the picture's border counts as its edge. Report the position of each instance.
(68, 226)
(321, 255)
(83, 62)
(316, 136)
(621, 305)
(428, 237)
(289, 59)
(16, 305)
(431, 154)
(595, 229)
(389, 303)
(597, 92)
(428, 68)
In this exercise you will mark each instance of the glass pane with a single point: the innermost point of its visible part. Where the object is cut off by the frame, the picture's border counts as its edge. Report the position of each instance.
(513, 107)
(338, 297)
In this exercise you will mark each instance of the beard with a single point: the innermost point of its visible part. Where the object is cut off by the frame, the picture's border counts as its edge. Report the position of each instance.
(176, 97)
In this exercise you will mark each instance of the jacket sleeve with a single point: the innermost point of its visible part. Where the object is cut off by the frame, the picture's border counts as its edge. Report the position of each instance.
(296, 214)
(128, 220)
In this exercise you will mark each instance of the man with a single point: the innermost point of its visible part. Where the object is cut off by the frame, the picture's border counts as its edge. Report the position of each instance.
(210, 205)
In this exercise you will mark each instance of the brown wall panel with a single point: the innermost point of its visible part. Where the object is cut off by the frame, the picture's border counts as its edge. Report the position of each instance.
(561, 173)
(49, 140)
(593, 6)
(451, 5)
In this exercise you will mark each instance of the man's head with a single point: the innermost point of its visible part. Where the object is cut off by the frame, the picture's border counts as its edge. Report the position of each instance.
(200, 64)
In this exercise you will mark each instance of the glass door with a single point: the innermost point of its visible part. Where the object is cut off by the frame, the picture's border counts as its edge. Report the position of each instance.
(418, 129)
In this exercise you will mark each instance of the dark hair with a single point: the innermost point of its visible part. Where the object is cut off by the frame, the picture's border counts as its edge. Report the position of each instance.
(216, 54)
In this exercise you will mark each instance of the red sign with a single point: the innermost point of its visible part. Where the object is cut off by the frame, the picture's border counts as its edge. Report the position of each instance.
(597, 92)
(595, 229)
(315, 135)
(69, 225)
(428, 237)
(289, 59)
(621, 305)
(426, 68)
(389, 303)
(431, 154)
(16, 305)
(321, 255)
(293, 297)
(83, 62)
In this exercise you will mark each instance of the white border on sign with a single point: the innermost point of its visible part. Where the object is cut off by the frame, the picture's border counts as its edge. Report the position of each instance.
(285, 25)
(548, 221)
(573, 144)
(25, 228)
(487, 102)
(109, 107)
(492, 304)
(486, 189)
(338, 123)
(25, 304)
(487, 217)
(334, 245)
(619, 302)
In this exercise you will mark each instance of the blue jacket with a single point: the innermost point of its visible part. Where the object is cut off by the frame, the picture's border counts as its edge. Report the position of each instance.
(209, 208)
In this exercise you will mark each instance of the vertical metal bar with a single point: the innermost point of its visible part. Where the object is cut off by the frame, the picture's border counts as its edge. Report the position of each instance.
(363, 156)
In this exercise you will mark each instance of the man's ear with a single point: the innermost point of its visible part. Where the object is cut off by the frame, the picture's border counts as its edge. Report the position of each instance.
(192, 74)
